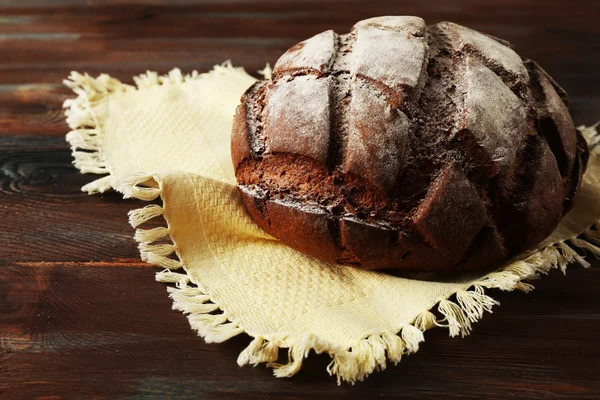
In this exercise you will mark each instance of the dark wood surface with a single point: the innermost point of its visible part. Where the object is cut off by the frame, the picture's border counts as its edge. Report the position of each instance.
(81, 316)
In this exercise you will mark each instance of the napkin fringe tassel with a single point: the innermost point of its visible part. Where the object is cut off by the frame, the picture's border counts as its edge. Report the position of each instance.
(215, 325)
(457, 313)
(86, 136)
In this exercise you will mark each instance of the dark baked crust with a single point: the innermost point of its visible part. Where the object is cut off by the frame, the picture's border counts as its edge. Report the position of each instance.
(410, 147)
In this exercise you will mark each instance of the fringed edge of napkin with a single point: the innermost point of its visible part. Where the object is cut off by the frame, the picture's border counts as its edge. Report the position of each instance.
(215, 325)
(86, 136)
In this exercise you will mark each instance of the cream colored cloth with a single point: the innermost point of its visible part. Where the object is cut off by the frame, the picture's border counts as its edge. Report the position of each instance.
(169, 138)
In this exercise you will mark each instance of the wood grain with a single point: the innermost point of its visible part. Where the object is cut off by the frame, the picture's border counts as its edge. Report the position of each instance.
(33, 109)
(44, 216)
(81, 316)
(68, 328)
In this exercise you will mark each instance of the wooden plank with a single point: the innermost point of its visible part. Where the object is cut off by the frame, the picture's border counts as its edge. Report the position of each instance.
(44, 216)
(33, 109)
(81, 330)
(275, 21)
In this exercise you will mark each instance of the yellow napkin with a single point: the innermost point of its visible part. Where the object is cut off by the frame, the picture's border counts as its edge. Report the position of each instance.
(168, 137)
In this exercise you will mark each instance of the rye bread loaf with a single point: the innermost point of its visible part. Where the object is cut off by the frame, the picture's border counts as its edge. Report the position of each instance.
(401, 145)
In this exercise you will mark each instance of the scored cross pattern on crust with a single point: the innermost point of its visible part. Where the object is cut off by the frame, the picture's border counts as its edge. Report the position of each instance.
(401, 145)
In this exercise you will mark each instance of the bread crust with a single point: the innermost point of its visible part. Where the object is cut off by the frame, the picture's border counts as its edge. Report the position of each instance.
(405, 146)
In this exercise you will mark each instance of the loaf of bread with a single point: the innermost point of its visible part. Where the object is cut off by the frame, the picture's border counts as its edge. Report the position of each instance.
(406, 146)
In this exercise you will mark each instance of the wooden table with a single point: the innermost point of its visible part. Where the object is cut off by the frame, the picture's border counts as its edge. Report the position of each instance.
(81, 315)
